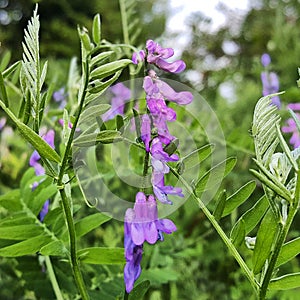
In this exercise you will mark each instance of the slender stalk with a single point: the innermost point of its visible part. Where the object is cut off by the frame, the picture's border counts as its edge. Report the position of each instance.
(65, 201)
(124, 22)
(293, 208)
(221, 233)
(53, 280)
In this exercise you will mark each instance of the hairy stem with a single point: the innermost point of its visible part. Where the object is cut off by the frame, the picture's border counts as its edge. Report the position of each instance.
(65, 201)
(221, 233)
(293, 208)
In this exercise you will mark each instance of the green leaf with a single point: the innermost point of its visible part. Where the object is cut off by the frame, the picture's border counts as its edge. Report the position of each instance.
(286, 282)
(238, 233)
(3, 94)
(251, 217)
(37, 142)
(85, 39)
(110, 68)
(238, 197)
(97, 86)
(90, 113)
(288, 252)
(44, 192)
(215, 174)
(104, 137)
(11, 201)
(139, 291)
(89, 223)
(120, 123)
(172, 147)
(5, 60)
(20, 232)
(96, 32)
(100, 57)
(101, 255)
(11, 69)
(30, 246)
(220, 205)
(264, 241)
(196, 157)
(56, 248)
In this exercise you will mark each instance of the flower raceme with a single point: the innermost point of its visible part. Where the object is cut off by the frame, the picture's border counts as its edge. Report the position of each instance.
(141, 225)
(269, 80)
(141, 222)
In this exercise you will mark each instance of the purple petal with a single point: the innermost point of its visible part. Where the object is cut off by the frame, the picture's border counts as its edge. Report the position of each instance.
(138, 57)
(181, 98)
(44, 210)
(150, 232)
(137, 233)
(294, 106)
(265, 59)
(150, 46)
(174, 67)
(160, 195)
(166, 226)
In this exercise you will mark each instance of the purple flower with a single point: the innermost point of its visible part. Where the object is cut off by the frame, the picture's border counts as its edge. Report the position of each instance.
(265, 59)
(138, 57)
(35, 157)
(158, 161)
(292, 128)
(60, 97)
(44, 210)
(2, 122)
(294, 106)
(270, 81)
(133, 253)
(157, 55)
(141, 224)
(156, 88)
(121, 95)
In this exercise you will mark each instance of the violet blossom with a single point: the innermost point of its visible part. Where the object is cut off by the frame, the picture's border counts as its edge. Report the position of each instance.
(59, 96)
(2, 122)
(141, 224)
(291, 127)
(270, 81)
(121, 95)
(39, 169)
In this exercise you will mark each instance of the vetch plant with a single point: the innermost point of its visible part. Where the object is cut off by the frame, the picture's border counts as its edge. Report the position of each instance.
(174, 157)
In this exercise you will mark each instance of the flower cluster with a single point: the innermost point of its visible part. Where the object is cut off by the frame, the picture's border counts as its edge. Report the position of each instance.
(34, 162)
(121, 95)
(269, 80)
(141, 222)
(291, 126)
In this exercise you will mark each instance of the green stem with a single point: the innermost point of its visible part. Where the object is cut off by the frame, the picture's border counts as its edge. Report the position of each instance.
(221, 233)
(53, 280)
(293, 208)
(65, 201)
(283, 231)
(72, 240)
(124, 22)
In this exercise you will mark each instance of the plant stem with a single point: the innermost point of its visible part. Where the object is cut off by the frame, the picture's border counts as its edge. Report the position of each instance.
(221, 233)
(53, 280)
(293, 208)
(124, 22)
(65, 201)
